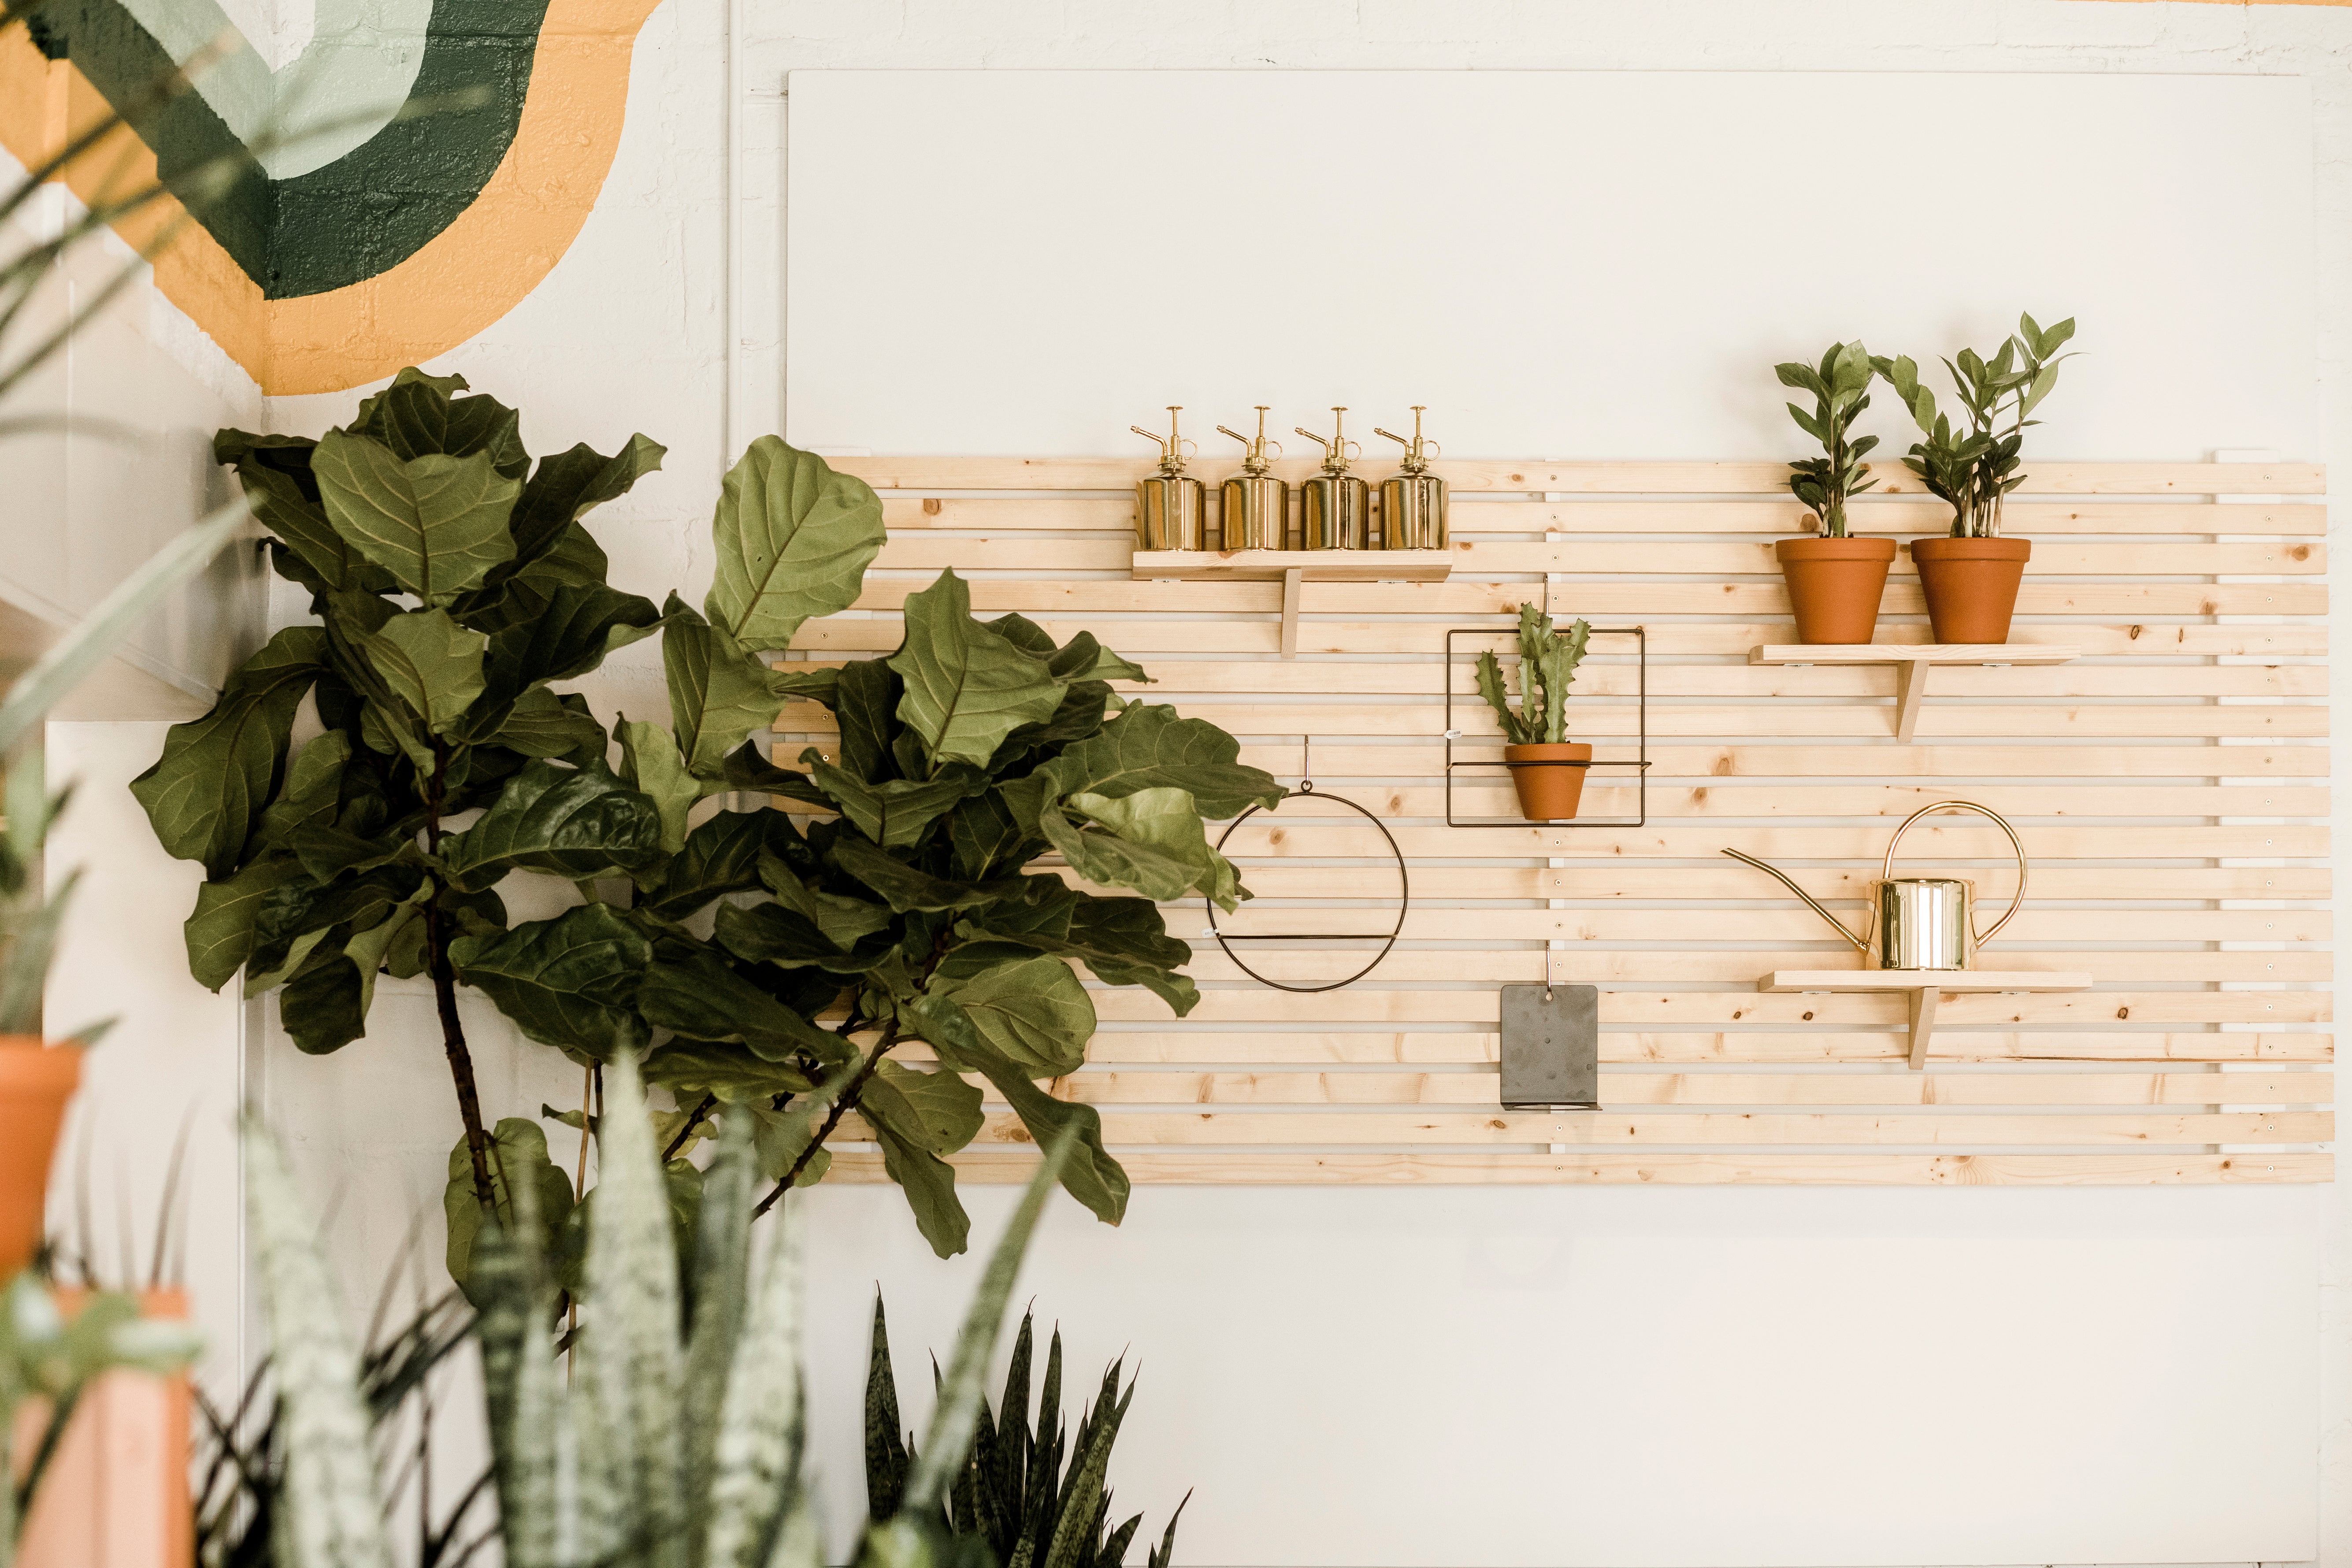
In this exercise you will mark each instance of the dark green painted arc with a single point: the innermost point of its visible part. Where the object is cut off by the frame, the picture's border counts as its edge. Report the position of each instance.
(366, 212)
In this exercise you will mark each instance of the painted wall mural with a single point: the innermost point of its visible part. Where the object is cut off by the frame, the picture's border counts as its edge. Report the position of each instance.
(457, 150)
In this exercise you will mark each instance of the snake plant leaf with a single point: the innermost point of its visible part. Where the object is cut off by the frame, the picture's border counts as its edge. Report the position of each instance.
(219, 935)
(887, 1462)
(946, 1106)
(329, 1516)
(894, 815)
(579, 823)
(701, 997)
(721, 856)
(651, 765)
(522, 1394)
(569, 981)
(1081, 1512)
(1033, 1012)
(627, 1355)
(1166, 820)
(720, 1298)
(1148, 746)
(910, 1159)
(543, 723)
(431, 663)
(437, 524)
(793, 539)
(217, 772)
(955, 1415)
(417, 418)
(967, 686)
(719, 692)
(520, 1163)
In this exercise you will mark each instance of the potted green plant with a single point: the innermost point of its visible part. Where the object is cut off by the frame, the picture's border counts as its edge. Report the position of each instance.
(1547, 768)
(1834, 579)
(1971, 578)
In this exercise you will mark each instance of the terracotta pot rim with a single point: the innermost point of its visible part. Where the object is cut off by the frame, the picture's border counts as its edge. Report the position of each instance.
(1553, 753)
(1854, 547)
(30, 1066)
(2000, 548)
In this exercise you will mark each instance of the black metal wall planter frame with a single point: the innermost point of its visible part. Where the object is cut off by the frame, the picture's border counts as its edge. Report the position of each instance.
(1404, 902)
(1638, 764)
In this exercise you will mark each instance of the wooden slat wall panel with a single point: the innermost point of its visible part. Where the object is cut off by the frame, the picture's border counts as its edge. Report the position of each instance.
(2171, 785)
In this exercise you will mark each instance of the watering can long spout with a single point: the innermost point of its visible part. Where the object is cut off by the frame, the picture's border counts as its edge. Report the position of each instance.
(1862, 944)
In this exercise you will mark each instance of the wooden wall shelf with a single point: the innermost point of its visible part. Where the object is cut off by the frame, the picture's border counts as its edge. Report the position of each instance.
(1292, 568)
(1912, 661)
(1925, 988)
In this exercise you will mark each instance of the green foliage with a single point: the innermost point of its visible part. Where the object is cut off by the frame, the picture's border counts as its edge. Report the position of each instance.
(1036, 1495)
(677, 1440)
(455, 589)
(1547, 661)
(50, 1358)
(1975, 463)
(1840, 389)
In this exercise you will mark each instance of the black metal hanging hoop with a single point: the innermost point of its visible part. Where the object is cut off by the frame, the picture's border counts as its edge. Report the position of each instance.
(1404, 902)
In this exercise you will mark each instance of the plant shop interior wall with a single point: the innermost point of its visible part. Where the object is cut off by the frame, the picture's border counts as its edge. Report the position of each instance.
(1340, 1370)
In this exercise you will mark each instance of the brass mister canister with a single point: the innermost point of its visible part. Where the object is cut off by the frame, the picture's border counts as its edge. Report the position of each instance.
(1335, 507)
(1413, 503)
(1171, 509)
(1256, 503)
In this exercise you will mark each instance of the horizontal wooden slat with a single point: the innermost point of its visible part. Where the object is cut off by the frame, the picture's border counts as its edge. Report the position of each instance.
(1173, 680)
(881, 634)
(1483, 796)
(1506, 513)
(1606, 1127)
(1313, 839)
(1733, 881)
(1299, 963)
(1191, 1168)
(1739, 1047)
(1709, 924)
(1116, 551)
(1369, 1004)
(1624, 1089)
(1736, 477)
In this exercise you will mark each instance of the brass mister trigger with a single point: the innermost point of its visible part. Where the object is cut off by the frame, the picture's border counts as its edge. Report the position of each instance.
(1417, 451)
(1254, 460)
(1174, 449)
(1339, 449)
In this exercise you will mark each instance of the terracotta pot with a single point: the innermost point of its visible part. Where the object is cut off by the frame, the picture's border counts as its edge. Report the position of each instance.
(116, 1492)
(1970, 584)
(1834, 586)
(1547, 781)
(36, 1082)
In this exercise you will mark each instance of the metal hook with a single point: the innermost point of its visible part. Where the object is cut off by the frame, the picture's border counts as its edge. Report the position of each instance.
(1546, 969)
(1305, 765)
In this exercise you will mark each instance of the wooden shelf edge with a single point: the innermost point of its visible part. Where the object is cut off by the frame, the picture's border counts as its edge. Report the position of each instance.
(1913, 653)
(1313, 565)
(1924, 987)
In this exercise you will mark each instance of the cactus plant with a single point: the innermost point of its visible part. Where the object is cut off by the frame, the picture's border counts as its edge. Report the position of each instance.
(1547, 661)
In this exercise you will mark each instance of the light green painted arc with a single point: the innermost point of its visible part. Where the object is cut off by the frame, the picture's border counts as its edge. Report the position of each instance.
(350, 78)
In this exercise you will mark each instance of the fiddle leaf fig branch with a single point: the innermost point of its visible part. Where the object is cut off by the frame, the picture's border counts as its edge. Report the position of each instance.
(1840, 389)
(1975, 464)
(768, 959)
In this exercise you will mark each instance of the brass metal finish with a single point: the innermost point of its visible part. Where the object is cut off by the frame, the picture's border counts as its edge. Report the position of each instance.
(1920, 922)
(1335, 507)
(1254, 504)
(1413, 503)
(1170, 509)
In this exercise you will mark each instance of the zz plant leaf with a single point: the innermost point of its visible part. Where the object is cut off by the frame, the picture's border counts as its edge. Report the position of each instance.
(1974, 462)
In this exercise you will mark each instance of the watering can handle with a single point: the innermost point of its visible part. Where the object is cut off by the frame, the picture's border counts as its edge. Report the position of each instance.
(2017, 900)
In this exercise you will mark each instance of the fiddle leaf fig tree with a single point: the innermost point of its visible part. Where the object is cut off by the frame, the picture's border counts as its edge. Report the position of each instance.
(771, 959)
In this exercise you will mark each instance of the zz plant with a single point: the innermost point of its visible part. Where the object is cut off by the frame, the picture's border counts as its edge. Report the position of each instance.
(455, 589)
(1975, 465)
(1840, 389)
(1547, 661)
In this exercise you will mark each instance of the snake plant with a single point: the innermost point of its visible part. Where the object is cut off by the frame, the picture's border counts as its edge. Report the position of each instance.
(1547, 661)
(1014, 1489)
(676, 1442)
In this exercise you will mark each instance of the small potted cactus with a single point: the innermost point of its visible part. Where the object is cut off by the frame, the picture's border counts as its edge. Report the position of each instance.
(1834, 579)
(1547, 769)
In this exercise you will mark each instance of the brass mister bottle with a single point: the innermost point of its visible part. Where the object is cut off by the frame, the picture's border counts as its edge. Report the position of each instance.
(1413, 503)
(1335, 507)
(1256, 503)
(1171, 509)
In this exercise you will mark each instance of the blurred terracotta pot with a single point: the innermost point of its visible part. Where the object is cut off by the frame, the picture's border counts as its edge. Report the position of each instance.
(1834, 586)
(36, 1082)
(115, 1494)
(1549, 779)
(1970, 584)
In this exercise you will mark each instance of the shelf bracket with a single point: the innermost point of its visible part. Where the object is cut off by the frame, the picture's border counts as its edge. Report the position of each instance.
(1924, 1003)
(1910, 692)
(1293, 586)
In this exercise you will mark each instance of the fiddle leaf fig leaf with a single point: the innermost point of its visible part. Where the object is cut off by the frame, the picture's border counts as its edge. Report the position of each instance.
(650, 763)
(721, 857)
(1148, 746)
(207, 792)
(436, 524)
(910, 1159)
(1154, 844)
(416, 416)
(967, 686)
(274, 472)
(579, 823)
(567, 486)
(946, 1105)
(794, 538)
(700, 996)
(431, 663)
(845, 922)
(518, 1157)
(719, 692)
(694, 1067)
(906, 888)
(220, 932)
(1034, 1011)
(569, 981)
(543, 724)
(893, 814)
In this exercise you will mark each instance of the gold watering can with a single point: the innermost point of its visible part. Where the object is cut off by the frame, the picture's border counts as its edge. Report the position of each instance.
(1920, 922)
